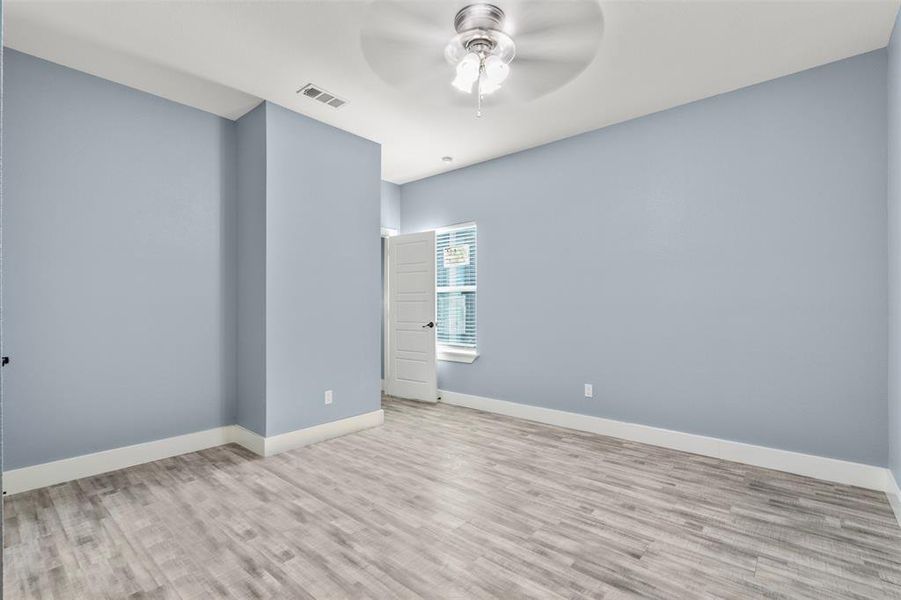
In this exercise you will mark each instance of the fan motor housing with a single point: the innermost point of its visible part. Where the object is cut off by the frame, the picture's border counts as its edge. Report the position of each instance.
(479, 16)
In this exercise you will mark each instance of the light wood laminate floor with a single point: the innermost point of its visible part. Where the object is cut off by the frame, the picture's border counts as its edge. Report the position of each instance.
(446, 502)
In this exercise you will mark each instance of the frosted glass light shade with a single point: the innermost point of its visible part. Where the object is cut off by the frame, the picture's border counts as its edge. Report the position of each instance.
(467, 72)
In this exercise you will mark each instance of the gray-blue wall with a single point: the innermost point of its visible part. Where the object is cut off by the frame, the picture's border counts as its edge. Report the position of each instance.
(894, 251)
(718, 268)
(251, 265)
(118, 265)
(390, 201)
(323, 297)
(168, 271)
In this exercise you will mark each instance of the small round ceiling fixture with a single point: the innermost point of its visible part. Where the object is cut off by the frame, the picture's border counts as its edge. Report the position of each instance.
(447, 159)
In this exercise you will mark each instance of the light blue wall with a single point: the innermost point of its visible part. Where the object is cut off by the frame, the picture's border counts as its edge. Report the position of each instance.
(118, 265)
(390, 200)
(718, 268)
(894, 251)
(149, 244)
(251, 265)
(323, 297)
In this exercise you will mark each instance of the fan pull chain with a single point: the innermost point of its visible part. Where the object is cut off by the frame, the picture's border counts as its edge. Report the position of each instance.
(481, 77)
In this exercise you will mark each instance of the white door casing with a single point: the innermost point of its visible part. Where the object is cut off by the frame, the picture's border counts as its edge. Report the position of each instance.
(411, 317)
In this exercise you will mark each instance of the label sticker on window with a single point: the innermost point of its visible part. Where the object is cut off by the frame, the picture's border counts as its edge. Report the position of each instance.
(456, 256)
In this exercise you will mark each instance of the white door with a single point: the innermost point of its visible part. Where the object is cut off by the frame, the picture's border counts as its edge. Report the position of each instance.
(411, 317)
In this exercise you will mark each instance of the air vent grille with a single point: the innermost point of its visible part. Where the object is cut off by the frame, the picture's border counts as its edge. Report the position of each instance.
(315, 92)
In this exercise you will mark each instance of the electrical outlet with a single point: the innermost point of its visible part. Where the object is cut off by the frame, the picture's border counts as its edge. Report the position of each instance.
(328, 396)
(589, 391)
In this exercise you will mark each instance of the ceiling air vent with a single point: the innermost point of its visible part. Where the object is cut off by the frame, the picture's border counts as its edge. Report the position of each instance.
(315, 92)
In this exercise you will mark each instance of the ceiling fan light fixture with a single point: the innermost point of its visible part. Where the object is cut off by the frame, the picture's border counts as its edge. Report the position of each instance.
(415, 46)
(468, 70)
(487, 87)
(496, 70)
(481, 51)
(462, 84)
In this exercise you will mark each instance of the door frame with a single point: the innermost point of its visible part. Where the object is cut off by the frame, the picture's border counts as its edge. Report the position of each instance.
(386, 306)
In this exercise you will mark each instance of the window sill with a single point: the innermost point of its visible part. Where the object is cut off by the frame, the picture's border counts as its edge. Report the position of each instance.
(457, 355)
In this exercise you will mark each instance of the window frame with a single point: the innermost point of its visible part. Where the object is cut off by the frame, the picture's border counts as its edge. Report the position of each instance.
(450, 352)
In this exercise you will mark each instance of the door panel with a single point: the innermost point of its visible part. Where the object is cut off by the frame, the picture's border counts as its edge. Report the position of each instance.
(411, 285)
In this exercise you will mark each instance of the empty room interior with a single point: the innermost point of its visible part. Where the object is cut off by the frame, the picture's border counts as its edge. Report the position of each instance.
(436, 299)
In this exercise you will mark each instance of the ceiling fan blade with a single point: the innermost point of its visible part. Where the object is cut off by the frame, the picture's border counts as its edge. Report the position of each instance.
(404, 40)
(532, 78)
(394, 64)
(555, 42)
(397, 16)
(560, 20)
(531, 63)
(573, 49)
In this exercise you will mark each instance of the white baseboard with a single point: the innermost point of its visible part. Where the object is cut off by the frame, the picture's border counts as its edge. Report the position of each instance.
(251, 440)
(68, 469)
(827, 469)
(894, 494)
(819, 467)
(269, 446)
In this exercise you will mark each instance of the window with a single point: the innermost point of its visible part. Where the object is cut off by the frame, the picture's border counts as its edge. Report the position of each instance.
(455, 286)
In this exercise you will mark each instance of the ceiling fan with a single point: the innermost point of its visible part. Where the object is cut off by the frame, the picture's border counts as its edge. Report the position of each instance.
(448, 52)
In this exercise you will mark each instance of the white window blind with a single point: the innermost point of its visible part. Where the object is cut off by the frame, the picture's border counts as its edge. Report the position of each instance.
(456, 286)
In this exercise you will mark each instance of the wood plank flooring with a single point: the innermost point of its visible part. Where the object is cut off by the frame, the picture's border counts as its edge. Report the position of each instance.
(447, 502)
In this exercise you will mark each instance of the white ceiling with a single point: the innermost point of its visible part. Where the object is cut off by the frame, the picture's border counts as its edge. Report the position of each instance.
(224, 56)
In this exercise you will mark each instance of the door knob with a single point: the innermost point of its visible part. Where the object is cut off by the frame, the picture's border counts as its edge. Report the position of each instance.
(429, 324)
